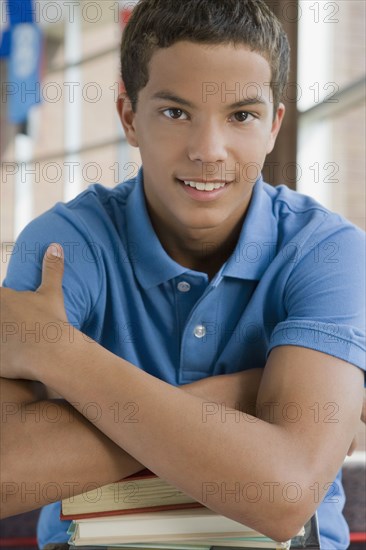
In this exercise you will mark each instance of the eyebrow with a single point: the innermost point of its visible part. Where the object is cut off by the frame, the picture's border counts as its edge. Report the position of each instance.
(248, 101)
(169, 96)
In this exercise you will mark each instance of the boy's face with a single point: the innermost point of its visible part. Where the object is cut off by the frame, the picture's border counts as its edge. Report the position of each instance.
(201, 136)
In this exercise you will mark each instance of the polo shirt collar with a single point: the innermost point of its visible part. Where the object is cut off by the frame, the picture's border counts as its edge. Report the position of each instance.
(153, 266)
(258, 238)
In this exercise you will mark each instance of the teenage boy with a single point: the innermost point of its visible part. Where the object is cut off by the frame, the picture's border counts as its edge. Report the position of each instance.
(196, 271)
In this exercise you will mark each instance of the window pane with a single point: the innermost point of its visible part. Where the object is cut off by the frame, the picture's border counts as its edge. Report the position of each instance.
(332, 141)
(331, 48)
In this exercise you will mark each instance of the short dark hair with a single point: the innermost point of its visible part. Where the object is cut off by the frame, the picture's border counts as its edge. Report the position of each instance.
(161, 23)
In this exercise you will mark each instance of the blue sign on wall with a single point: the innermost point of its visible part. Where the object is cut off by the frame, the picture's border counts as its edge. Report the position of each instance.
(12, 13)
(23, 85)
(21, 43)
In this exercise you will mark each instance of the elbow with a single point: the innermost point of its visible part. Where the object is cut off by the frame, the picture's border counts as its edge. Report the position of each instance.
(285, 515)
(281, 530)
(12, 501)
(280, 523)
(8, 490)
(289, 522)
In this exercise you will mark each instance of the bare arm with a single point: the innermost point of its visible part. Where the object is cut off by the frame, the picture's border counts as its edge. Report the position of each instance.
(177, 436)
(355, 442)
(178, 442)
(14, 393)
(49, 451)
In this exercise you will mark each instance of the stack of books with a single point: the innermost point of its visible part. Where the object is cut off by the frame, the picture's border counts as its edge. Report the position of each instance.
(143, 511)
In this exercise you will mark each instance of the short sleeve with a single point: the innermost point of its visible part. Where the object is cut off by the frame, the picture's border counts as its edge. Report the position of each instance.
(325, 298)
(82, 264)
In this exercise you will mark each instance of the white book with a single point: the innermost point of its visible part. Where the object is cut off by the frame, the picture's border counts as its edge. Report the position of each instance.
(200, 526)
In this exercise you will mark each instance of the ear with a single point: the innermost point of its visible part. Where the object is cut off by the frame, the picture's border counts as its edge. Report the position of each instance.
(127, 118)
(276, 125)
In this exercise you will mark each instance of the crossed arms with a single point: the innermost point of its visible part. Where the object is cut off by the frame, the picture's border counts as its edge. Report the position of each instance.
(50, 451)
(308, 406)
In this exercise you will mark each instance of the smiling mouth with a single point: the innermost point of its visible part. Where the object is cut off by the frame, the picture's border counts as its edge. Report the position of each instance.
(204, 185)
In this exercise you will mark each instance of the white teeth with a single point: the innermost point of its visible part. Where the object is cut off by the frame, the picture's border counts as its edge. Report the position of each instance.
(204, 186)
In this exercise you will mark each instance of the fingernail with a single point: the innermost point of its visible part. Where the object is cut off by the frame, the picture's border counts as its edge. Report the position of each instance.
(55, 250)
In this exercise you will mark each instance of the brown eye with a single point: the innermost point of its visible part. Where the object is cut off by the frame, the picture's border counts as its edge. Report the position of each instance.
(241, 116)
(174, 114)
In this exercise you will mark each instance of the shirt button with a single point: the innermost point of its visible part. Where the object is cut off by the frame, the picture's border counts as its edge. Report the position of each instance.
(199, 331)
(184, 286)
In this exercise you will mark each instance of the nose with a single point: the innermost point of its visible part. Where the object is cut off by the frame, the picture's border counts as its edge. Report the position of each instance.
(207, 143)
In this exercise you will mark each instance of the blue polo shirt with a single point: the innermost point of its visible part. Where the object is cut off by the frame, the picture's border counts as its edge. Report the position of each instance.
(296, 277)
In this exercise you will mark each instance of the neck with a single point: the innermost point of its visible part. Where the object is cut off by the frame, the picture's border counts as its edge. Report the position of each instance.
(199, 250)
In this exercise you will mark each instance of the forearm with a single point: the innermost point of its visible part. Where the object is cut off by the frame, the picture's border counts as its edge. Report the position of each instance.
(174, 437)
(79, 454)
(234, 391)
(14, 393)
(49, 452)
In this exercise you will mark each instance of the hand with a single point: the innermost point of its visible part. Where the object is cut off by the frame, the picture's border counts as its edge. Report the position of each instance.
(32, 322)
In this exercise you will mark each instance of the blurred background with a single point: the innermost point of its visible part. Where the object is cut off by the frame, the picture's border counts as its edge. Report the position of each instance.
(60, 78)
(60, 131)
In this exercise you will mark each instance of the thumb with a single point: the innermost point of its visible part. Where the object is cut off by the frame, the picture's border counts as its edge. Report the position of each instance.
(52, 269)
